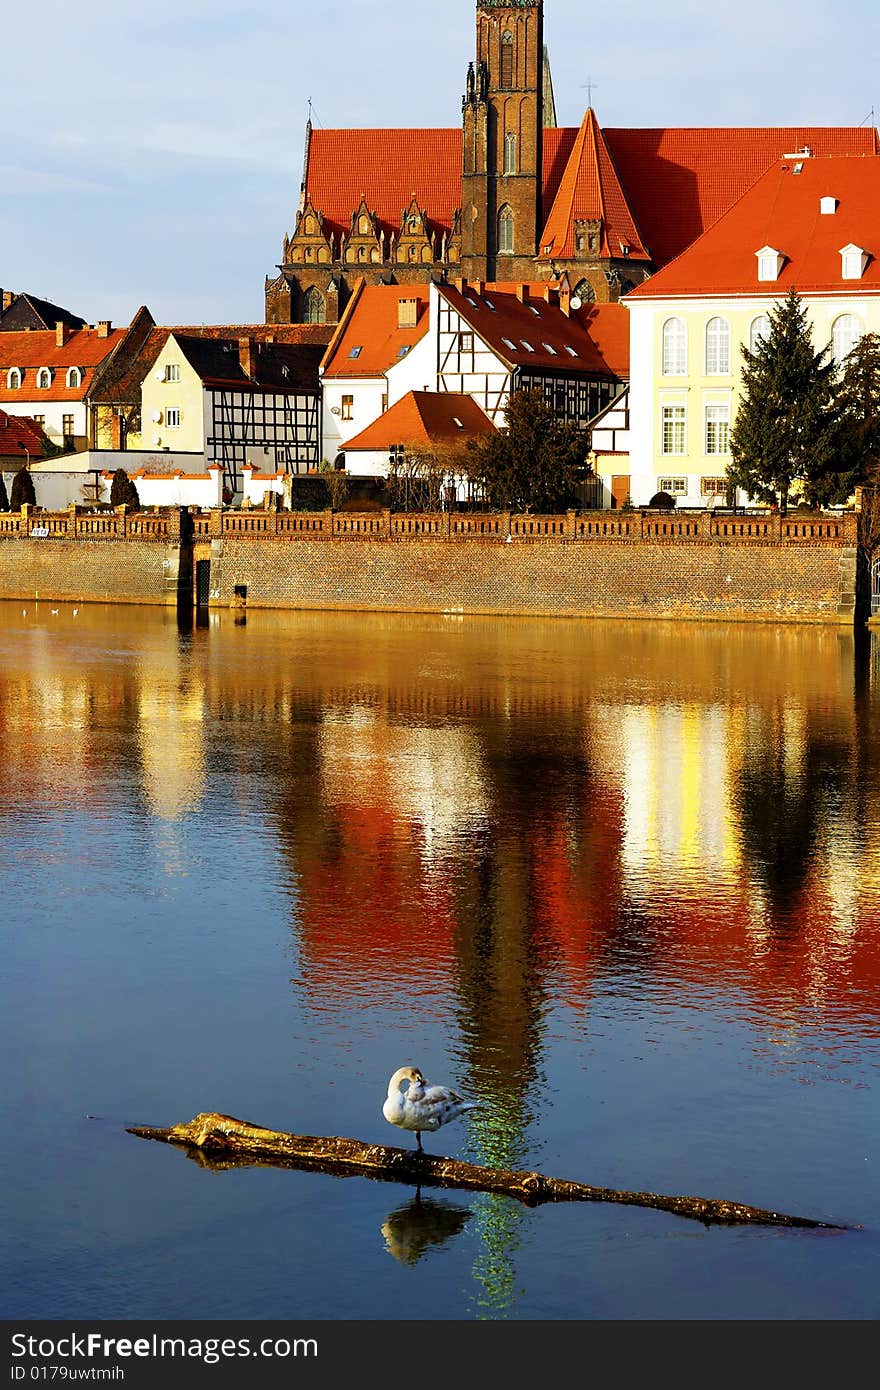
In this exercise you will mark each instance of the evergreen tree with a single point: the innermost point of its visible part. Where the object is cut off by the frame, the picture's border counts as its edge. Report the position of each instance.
(22, 490)
(123, 490)
(858, 398)
(786, 428)
(535, 462)
(4, 496)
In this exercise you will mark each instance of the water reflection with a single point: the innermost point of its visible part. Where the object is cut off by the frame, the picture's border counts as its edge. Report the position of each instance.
(420, 1225)
(479, 825)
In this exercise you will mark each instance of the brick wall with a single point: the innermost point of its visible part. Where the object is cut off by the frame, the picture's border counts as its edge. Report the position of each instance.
(551, 578)
(581, 564)
(82, 571)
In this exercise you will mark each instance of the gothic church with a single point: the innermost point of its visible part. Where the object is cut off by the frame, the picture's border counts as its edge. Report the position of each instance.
(510, 196)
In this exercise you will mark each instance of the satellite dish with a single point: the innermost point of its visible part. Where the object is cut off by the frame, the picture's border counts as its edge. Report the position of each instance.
(576, 302)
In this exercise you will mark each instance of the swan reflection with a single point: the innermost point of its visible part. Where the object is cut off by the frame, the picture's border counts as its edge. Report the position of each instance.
(420, 1224)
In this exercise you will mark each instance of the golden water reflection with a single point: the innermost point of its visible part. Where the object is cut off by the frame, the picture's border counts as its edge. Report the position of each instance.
(504, 812)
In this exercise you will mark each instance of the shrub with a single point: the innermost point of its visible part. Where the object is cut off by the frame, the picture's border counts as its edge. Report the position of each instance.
(22, 490)
(123, 491)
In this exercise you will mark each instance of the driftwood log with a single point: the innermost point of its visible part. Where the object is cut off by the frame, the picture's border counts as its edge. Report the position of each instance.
(222, 1141)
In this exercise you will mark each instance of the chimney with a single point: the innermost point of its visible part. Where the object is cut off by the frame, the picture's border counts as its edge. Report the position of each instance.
(247, 356)
(478, 287)
(550, 296)
(461, 284)
(103, 328)
(62, 333)
(565, 296)
(522, 294)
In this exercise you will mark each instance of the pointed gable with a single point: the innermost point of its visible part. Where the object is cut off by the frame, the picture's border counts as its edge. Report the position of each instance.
(590, 194)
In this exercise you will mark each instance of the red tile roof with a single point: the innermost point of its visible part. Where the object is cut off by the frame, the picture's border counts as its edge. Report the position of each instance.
(782, 210)
(31, 350)
(424, 417)
(20, 436)
(590, 189)
(370, 324)
(598, 334)
(679, 182)
(388, 167)
(676, 182)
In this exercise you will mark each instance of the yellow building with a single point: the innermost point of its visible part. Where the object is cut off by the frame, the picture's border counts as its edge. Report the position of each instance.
(809, 224)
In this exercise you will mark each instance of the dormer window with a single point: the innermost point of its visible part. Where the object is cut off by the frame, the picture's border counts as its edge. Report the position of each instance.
(44, 379)
(769, 263)
(853, 261)
(74, 378)
(13, 379)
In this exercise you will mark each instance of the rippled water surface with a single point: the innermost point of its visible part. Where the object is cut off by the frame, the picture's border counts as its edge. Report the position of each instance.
(619, 882)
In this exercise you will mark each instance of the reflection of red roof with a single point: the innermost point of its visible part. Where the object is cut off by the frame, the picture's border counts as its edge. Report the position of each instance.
(369, 340)
(680, 181)
(782, 210)
(35, 349)
(594, 340)
(424, 417)
(590, 190)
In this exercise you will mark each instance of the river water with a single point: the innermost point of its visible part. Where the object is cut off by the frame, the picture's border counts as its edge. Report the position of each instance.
(618, 882)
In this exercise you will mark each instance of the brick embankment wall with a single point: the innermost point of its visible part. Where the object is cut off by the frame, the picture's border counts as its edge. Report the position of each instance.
(764, 583)
(82, 571)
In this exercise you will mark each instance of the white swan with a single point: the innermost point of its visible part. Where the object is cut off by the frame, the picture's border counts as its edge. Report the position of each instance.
(413, 1104)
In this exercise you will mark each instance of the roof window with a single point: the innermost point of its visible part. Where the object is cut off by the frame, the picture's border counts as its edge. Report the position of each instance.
(356, 351)
(472, 301)
(533, 310)
(570, 350)
(548, 347)
(827, 205)
(509, 344)
(527, 345)
(769, 263)
(490, 305)
(852, 262)
(402, 351)
(456, 421)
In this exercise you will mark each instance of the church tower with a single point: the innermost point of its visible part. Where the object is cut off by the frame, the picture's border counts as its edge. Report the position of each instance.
(502, 124)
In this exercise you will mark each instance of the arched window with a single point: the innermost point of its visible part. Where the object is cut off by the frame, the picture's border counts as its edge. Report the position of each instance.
(717, 347)
(584, 291)
(844, 335)
(74, 377)
(44, 379)
(510, 153)
(13, 379)
(313, 306)
(759, 330)
(505, 231)
(674, 348)
(506, 61)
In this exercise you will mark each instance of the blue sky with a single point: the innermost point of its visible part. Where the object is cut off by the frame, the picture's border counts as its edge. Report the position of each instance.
(153, 153)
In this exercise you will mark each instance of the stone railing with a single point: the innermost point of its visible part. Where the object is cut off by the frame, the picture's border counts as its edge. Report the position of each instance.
(757, 527)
